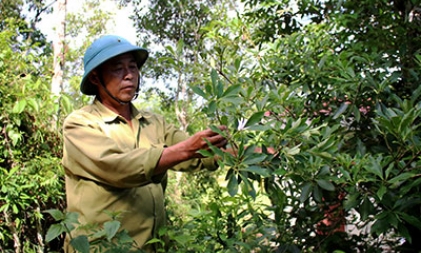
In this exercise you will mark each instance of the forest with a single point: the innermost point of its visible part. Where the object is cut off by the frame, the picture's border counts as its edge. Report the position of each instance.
(332, 86)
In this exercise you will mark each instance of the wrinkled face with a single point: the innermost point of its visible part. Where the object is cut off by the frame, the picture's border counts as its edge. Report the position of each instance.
(120, 76)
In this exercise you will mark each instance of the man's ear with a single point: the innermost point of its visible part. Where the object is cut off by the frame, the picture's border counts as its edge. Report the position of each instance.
(94, 78)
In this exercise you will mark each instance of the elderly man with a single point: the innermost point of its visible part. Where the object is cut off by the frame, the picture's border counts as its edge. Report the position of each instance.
(115, 156)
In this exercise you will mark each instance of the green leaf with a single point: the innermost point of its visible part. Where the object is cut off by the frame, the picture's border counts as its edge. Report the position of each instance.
(410, 185)
(401, 177)
(208, 89)
(14, 136)
(324, 184)
(324, 155)
(322, 61)
(19, 106)
(232, 90)
(233, 100)
(232, 185)
(366, 209)
(305, 191)
(254, 158)
(211, 107)
(54, 231)
(170, 50)
(99, 234)
(124, 238)
(380, 226)
(199, 91)
(392, 219)
(352, 201)
(219, 89)
(247, 186)
(15, 209)
(389, 169)
(224, 120)
(180, 46)
(254, 119)
(259, 127)
(57, 214)
(72, 217)
(214, 78)
(237, 63)
(4, 207)
(374, 167)
(153, 240)
(66, 103)
(317, 194)
(33, 103)
(341, 110)
(216, 129)
(80, 243)
(111, 228)
(169, 60)
(357, 114)
(280, 172)
(382, 190)
(205, 153)
(416, 221)
(257, 170)
(325, 170)
(292, 151)
(403, 231)
(183, 239)
(350, 72)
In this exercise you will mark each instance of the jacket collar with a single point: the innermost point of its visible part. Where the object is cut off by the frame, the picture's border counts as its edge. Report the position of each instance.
(108, 115)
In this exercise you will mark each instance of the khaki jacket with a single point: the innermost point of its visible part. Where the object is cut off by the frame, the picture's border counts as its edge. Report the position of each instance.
(109, 168)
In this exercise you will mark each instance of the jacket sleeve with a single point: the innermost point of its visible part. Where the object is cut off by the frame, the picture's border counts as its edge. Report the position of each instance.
(92, 155)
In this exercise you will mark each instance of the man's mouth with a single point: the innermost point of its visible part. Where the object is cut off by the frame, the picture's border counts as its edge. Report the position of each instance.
(128, 88)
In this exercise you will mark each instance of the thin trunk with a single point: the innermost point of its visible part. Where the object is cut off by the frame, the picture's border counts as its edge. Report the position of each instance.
(180, 104)
(181, 113)
(40, 232)
(13, 230)
(60, 17)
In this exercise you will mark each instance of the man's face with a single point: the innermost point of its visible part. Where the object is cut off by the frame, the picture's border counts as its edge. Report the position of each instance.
(120, 76)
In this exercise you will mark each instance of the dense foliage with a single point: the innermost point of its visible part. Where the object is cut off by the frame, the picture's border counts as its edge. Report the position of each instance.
(340, 106)
(331, 86)
(31, 177)
(30, 146)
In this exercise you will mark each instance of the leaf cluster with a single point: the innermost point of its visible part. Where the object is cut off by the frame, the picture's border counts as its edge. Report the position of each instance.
(30, 150)
(339, 108)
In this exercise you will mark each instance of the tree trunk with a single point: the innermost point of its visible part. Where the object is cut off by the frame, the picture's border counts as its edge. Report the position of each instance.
(58, 46)
(181, 106)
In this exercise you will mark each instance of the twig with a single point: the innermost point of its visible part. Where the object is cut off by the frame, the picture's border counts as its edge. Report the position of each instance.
(12, 228)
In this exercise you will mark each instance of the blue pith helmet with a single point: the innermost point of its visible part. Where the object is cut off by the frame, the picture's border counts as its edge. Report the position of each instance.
(103, 49)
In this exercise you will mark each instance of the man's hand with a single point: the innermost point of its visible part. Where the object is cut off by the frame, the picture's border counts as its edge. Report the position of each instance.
(189, 148)
(201, 139)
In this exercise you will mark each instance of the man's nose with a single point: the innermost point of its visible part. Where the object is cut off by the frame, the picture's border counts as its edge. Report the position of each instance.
(129, 72)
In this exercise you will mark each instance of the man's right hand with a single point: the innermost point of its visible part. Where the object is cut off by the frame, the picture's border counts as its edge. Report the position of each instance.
(201, 139)
(188, 149)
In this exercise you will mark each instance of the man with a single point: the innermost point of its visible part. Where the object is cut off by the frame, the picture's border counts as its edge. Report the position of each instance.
(116, 156)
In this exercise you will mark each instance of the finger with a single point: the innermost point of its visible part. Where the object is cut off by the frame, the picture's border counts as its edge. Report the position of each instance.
(214, 140)
(210, 132)
(221, 144)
